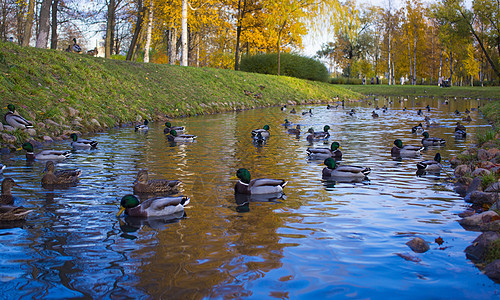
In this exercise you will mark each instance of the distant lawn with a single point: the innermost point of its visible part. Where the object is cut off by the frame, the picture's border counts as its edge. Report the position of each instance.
(491, 92)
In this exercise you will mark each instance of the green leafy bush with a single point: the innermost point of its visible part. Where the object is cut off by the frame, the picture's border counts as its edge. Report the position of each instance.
(292, 65)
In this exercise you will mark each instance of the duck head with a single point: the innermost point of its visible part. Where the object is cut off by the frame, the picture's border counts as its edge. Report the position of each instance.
(335, 146)
(243, 175)
(437, 157)
(173, 132)
(326, 128)
(74, 137)
(27, 146)
(49, 167)
(146, 122)
(398, 143)
(425, 134)
(11, 107)
(330, 163)
(7, 185)
(128, 201)
(168, 124)
(142, 177)
(266, 127)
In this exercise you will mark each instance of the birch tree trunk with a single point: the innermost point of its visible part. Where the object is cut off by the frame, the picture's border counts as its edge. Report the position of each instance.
(44, 24)
(184, 34)
(29, 23)
(172, 49)
(148, 35)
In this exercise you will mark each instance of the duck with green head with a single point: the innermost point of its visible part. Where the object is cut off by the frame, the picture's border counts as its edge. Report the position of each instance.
(142, 127)
(173, 136)
(15, 120)
(259, 186)
(407, 151)
(154, 207)
(334, 171)
(45, 154)
(264, 131)
(318, 135)
(78, 143)
(432, 141)
(169, 127)
(323, 153)
(143, 185)
(430, 165)
(54, 178)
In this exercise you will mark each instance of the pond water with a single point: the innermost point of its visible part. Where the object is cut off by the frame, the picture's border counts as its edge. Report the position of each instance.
(323, 240)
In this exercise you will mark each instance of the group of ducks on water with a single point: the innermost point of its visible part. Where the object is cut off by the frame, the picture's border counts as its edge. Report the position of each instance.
(167, 204)
(161, 204)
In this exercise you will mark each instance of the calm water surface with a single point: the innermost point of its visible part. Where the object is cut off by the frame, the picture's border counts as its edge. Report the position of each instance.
(324, 240)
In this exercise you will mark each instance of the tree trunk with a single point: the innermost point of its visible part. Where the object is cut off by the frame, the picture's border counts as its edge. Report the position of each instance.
(389, 58)
(148, 35)
(184, 34)
(241, 14)
(29, 23)
(137, 31)
(44, 24)
(108, 42)
(172, 49)
(53, 38)
(415, 58)
(278, 46)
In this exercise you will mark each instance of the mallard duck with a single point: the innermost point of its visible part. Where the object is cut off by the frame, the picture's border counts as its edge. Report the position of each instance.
(417, 128)
(428, 107)
(293, 111)
(60, 177)
(419, 112)
(352, 112)
(143, 185)
(432, 141)
(430, 122)
(318, 135)
(82, 143)
(430, 165)
(174, 137)
(328, 106)
(15, 120)
(467, 119)
(264, 131)
(259, 140)
(295, 130)
(45, 154)
(407, 151)
(168, 127)
(142, 127)
(283, 108)
(13, 213)
(76, 48)
(323, 153)
(6, 196)
(374, 115)
(307, 113)
(257, 186)
(332, 170)
(287, 123)
(154, 207)
(460, 131)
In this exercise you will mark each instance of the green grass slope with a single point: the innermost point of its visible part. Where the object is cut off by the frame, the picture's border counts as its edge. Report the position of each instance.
(76, 90)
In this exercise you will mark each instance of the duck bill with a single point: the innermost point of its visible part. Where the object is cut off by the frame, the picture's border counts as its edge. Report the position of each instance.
(122, 209)
(233, 177)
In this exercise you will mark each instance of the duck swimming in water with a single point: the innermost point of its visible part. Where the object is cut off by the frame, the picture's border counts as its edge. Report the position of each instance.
(405, 151)
(143, 185)
(45, 154)
(334, 171)
(432, 141)
(324, 153)
(258, 186)
(154, 207)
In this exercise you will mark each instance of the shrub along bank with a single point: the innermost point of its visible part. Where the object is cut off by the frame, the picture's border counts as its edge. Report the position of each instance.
(64, 92)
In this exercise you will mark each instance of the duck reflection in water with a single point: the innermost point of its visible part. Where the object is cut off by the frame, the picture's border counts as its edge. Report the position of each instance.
(243, 200)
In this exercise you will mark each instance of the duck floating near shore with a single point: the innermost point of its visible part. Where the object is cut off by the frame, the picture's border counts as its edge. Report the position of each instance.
(143, 185)
(430, 165)
(432, 141)
(78, 143)
(259, 186)
(142, 127)
(54, 178)
(154, 207)
(44, 154)
(406, 151)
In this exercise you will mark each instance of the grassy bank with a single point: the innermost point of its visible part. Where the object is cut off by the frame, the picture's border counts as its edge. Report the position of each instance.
(85, 93)
(427, 90)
